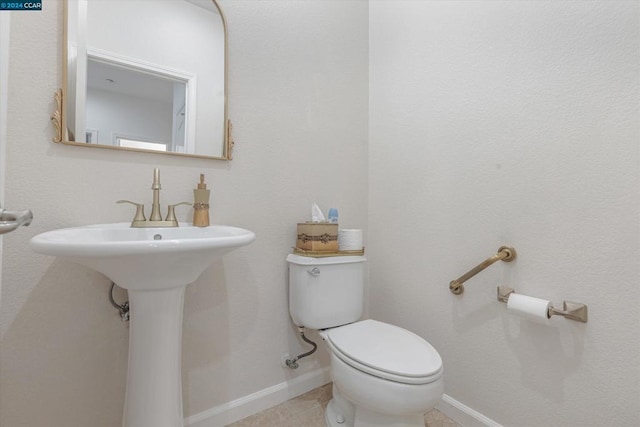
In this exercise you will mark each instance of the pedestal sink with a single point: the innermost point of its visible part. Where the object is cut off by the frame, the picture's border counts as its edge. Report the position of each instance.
(155, 265)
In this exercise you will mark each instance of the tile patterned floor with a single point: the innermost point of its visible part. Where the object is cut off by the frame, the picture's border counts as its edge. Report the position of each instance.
(308, 411)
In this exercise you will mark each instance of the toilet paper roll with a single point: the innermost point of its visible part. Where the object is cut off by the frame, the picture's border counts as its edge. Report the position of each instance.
(531, 308)
(350, 239)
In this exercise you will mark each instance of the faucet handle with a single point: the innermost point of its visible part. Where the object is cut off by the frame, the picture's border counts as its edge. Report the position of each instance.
(139, 210)
(171, 214)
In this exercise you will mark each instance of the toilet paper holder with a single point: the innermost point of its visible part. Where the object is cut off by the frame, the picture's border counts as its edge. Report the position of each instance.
(570, 310)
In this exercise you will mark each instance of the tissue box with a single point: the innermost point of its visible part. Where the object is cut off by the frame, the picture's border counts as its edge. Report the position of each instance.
(317, 236)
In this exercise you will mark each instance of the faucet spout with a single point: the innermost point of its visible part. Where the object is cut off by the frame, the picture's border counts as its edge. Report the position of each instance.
(155, 208)
(155, 220)
(156, 179)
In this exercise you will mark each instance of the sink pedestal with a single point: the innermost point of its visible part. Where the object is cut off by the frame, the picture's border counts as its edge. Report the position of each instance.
(154, 377)
(155, 265)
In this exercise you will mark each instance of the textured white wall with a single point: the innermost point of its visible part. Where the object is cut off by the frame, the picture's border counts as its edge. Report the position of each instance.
(4, 82)
(511, 123)
(298, 101)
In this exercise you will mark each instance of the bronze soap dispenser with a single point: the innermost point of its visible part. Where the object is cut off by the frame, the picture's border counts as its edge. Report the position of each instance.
(201, 204)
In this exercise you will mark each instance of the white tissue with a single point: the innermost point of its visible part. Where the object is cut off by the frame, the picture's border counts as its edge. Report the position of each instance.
(316, 214)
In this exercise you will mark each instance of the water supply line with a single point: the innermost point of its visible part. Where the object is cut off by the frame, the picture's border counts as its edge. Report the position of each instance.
(293, 363)
(122, 308)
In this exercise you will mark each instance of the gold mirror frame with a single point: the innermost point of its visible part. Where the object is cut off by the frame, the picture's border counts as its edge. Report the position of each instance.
(59, 117)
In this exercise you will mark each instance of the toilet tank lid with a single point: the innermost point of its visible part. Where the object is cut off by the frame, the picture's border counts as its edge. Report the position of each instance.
(330, 260)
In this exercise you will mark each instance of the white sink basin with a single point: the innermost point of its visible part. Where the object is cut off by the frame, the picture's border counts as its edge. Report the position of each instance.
(143, 258)
(155, 265)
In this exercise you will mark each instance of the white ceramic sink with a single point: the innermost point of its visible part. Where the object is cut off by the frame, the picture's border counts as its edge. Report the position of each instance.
(143, 258)
(155, 265)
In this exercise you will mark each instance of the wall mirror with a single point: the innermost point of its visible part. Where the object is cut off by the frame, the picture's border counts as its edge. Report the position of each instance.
(145, 75)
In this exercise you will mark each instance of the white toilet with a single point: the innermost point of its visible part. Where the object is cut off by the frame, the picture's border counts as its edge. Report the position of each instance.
(383, 375)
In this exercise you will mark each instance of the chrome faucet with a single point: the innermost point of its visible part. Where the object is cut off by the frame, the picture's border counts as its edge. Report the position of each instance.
(155, 220)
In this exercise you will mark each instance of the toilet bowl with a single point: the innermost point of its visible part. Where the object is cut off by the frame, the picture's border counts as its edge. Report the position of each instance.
(383, 375)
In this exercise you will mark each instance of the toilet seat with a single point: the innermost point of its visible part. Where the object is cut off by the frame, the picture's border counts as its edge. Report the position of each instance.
(385, 351)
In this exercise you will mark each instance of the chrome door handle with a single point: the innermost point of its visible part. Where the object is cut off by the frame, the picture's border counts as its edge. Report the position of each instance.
(10, 220)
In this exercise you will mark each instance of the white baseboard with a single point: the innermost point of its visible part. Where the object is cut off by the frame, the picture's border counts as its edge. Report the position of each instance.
(464, 415)
(230, 412)
(238, 409)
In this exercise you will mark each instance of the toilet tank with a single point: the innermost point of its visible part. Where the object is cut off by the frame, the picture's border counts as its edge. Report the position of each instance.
(325, 292)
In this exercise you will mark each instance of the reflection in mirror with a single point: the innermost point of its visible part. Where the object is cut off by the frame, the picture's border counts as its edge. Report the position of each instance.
(146, 75)
(127, 104)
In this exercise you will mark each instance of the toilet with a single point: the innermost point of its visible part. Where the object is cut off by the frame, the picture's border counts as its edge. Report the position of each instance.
(383, 375)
